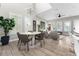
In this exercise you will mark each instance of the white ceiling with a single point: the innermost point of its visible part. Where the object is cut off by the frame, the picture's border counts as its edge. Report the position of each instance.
(15, 7)
(48, 11)
(41, 7)
(65, 9)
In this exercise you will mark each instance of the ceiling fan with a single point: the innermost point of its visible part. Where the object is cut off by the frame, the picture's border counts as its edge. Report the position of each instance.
(60, 15)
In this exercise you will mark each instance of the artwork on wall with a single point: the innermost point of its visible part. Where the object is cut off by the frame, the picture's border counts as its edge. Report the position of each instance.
(34, 25)
(42, 24)
(41, 27)
(49, 27)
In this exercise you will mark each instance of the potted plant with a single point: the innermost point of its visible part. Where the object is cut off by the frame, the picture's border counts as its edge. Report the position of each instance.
(7, 25)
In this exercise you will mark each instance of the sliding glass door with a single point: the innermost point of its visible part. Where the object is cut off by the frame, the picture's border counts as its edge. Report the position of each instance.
(67, 26)
(63, 26)
(57, 25)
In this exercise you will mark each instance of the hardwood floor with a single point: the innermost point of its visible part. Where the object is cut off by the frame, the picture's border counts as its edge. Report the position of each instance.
(51, 48)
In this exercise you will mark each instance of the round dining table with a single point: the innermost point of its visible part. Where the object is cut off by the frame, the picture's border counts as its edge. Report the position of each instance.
(33, 36)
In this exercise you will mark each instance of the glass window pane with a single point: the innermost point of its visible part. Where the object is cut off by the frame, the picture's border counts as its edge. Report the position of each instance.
(67, 26)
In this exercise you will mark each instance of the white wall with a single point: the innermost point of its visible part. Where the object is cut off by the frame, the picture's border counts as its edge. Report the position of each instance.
(76, 25)
(28, 24)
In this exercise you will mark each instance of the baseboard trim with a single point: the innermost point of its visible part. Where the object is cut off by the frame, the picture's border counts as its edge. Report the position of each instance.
(13, 40)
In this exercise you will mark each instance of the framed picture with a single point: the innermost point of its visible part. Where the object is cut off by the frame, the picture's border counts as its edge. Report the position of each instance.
(34, 25)
(42, 25)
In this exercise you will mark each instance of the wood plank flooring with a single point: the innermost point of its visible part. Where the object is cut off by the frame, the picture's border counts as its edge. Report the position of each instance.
(51, 48)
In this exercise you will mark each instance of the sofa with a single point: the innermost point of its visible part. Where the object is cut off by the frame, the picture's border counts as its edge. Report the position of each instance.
(52, 35)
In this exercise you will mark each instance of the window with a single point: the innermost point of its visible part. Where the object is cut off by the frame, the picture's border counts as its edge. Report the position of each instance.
(67, 26)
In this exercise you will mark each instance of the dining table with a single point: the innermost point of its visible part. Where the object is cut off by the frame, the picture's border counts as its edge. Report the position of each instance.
(33, 36)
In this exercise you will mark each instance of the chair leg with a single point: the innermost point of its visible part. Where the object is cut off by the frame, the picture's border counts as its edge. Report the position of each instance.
(24, 45)
(19, 45)
(44, 41)
(18, 42)
(31, 43)
(35, 42)
(27, 46)
(40, 43)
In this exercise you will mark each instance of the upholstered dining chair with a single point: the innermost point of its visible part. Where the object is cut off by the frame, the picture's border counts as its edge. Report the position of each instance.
(40, 38)
(23, 39)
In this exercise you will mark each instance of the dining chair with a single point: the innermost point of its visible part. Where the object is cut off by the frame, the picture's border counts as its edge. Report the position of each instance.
(40, 38)
(23, 39)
